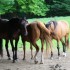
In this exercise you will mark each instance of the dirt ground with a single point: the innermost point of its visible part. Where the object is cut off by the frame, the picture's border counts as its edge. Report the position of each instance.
(28, 64)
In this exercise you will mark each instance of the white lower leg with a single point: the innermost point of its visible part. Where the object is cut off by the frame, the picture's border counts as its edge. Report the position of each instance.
(64, 54)
(51, 58)
(42, 58)
(35, 58)
(59, 57)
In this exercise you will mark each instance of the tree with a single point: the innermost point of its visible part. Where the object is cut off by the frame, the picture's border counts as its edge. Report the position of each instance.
(6, 6)
(59, 8)
(49, 1)
(36, 7)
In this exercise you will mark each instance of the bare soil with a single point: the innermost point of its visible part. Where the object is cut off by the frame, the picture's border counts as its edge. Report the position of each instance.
(28, 64)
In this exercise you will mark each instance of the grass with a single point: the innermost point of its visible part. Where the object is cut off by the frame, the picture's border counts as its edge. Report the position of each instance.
(45, 20)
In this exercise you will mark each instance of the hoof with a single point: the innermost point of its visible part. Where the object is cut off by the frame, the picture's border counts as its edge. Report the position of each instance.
(59, 58)
(36, 62)
(23, 59)
(51, 58)
(41, 62)
(16, 58)
(31, 57)
(9, 58)
(64, 54)
(13, 61)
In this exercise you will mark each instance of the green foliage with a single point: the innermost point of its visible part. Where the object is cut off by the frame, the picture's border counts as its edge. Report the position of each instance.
(5, 6)
(60, 7)
(36, 7)
(65, 4)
